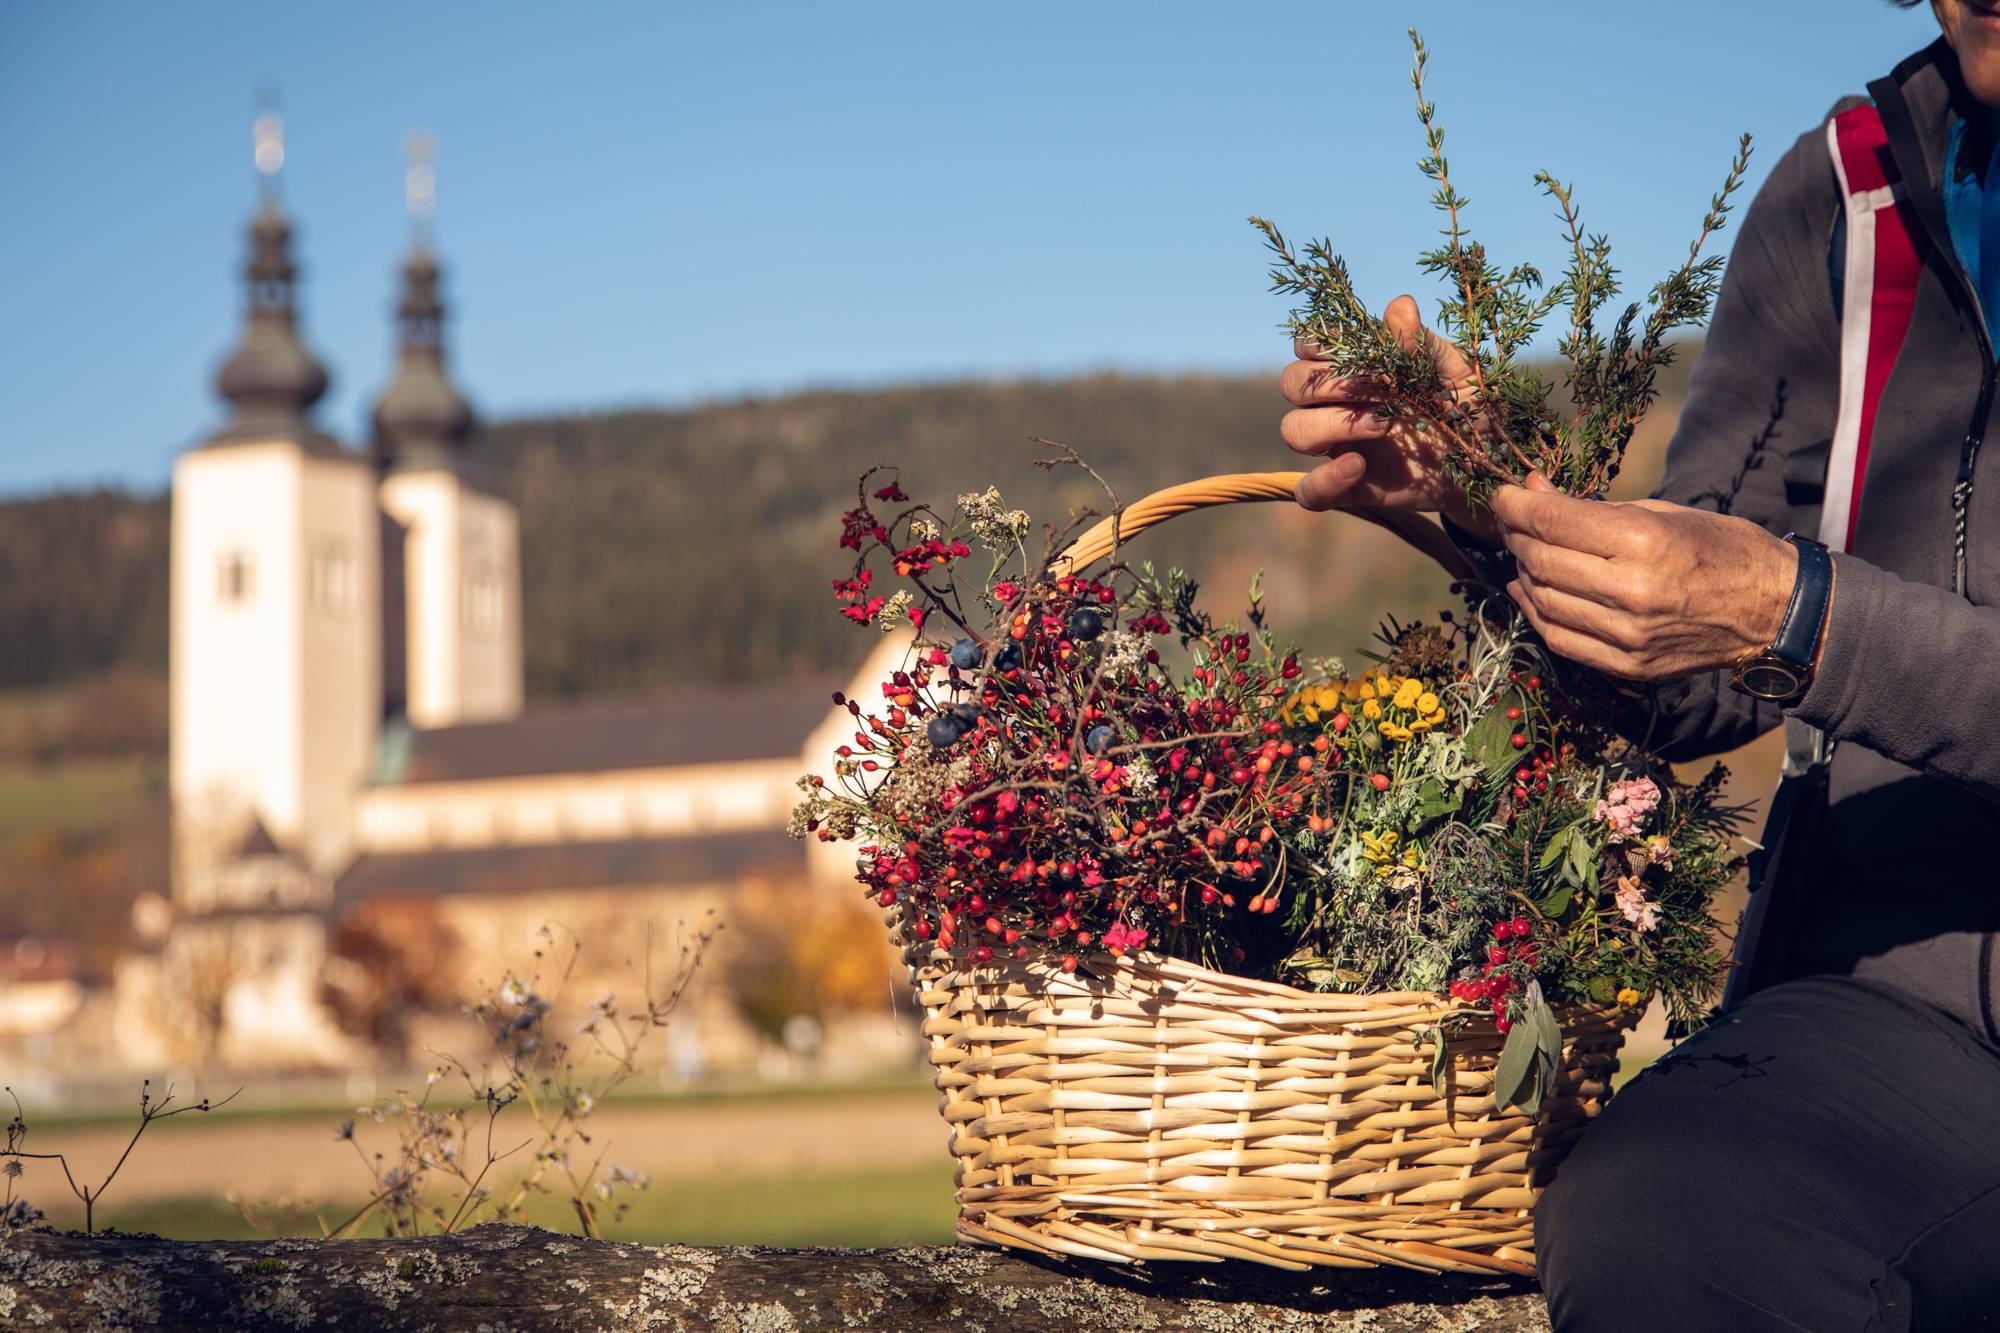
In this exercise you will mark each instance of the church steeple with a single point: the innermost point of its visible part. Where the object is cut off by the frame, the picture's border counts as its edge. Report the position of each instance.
(421, 417)
(271, 379)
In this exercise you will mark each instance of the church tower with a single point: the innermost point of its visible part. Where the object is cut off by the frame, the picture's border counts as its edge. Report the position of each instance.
(455, 653)
(275, 639)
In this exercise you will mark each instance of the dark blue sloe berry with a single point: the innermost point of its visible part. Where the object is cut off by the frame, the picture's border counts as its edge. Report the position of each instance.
(965, 654)
(1099, 739)
(965, 717)
(1085, 624)
(1007, 658)
(942, 731)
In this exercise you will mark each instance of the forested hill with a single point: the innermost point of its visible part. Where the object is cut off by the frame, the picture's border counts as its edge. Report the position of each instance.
(660, 547)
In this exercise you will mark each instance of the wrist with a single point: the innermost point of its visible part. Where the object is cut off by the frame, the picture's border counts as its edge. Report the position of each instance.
(1782, 670)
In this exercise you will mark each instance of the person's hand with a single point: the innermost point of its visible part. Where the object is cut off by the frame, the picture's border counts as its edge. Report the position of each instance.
(1368, 460)
(1643, 590)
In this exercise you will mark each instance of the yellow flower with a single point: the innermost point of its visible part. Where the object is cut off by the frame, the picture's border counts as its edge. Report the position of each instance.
(1371, 710)
(1380, 847)
(1394, 732)
(1408, 693)
(1427, 703)
(1629, 997)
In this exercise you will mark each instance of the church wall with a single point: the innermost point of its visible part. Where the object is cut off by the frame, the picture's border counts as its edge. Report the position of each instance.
(462, 593)
(580, 807)
(489, 660)
(341, 662)
(236, 677)
(427, 505)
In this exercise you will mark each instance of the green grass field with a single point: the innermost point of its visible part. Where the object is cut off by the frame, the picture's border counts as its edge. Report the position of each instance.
(76, 796)
(888, 1206)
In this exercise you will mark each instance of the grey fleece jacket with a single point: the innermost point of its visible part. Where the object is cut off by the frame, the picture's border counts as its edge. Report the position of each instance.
(1903, 884)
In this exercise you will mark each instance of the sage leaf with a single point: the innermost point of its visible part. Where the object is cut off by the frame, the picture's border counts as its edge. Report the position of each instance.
(1513, 1077)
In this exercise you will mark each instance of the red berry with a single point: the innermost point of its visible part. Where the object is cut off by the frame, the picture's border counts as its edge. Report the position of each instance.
(1503, 1025)
(1519, 925)
(1513, 715)
(1496, 955)
(1534, 682)
(887, 897)
(1381, 781)
(1501, 930)
(982, 955)
(1069, 963)
(1519, 741)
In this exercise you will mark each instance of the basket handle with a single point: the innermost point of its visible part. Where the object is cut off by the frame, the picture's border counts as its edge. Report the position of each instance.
(1243, 487)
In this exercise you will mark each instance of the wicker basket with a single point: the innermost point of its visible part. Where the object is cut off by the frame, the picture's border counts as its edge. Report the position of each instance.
(1149, 1109)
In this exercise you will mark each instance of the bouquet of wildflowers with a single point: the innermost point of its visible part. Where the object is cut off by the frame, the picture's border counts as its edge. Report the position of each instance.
(1077, 761)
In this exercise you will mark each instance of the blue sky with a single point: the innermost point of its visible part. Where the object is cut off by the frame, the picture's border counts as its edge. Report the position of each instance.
(661, 203)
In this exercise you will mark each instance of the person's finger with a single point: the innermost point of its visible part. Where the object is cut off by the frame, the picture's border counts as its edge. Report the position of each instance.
(1581, 525)
(1305, 349)
(1333, 483)
(1575, 572)
(1406, 320)
(1313, 384)
(1314, 430)
(1537, 482)
(1557, 606)
(1575, 645)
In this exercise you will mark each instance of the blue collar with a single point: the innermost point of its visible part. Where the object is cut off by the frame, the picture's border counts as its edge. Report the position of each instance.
(1966, 208)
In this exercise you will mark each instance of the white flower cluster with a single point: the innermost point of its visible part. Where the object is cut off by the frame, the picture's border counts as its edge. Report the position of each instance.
(1140, 778)
(924, 530)
(1123, 651)
(997, 527)
(894, 611)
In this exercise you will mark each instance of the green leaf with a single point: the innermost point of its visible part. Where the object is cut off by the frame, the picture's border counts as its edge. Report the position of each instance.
(1581, 867)
(1555, 848)
(1440, 1064)
(1490, 740)
(1433, 802)
(1557, 902)
(1515, 1074)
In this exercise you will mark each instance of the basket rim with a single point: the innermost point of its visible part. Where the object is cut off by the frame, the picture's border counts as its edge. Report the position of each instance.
(1041, 969)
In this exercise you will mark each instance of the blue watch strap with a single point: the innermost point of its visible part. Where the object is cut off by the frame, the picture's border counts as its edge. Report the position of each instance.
(1805, 614)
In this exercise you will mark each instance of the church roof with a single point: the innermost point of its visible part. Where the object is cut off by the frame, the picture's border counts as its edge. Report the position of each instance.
(421, 416)
(271, 378)
(716, 858)
(694, 725)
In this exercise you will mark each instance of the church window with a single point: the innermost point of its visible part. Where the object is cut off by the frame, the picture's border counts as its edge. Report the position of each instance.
(333, 578)
(484, 600)
(233, 578)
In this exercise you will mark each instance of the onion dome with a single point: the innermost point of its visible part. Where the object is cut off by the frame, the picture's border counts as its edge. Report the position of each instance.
(421, 412)
(271, 378)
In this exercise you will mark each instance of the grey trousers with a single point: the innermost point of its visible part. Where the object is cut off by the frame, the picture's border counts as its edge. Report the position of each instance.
(1825, 1157)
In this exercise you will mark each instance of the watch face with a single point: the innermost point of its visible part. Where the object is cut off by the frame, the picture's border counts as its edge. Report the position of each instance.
(1769, 677)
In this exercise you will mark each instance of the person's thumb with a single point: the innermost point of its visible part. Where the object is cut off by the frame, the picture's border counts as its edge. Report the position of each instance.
(1537, 482)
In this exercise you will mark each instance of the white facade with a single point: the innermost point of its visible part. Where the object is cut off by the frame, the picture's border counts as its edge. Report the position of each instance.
(462, 599)
(275, 646)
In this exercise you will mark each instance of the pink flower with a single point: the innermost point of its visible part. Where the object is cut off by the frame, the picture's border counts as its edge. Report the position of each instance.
(1122, 937)
(1625, 805)
(1632, 902)
(1660, 852)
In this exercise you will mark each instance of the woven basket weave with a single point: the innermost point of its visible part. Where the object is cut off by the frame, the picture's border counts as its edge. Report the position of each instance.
(1145, 1108)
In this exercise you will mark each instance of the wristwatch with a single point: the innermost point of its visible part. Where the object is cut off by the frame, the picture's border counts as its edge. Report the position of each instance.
(1782, 672)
